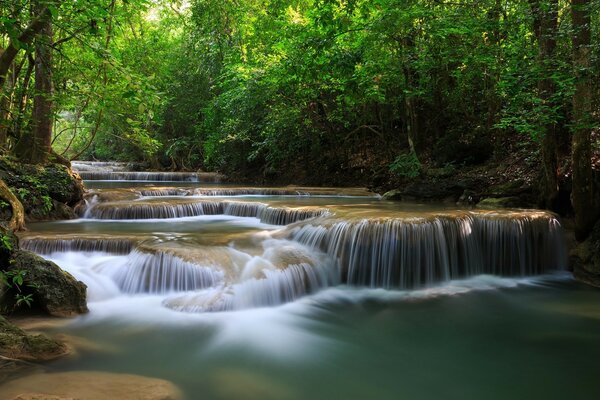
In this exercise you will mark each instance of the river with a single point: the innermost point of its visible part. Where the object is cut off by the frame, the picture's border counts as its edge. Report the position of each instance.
(235, 292)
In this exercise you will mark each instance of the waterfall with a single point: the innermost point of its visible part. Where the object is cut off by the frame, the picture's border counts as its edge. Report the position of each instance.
(284, 272)
(43, 245)
(411, 253)
(161, 210)
(99, 175)
(160, 272)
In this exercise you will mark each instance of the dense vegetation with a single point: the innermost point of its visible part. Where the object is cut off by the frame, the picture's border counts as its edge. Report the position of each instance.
(311, 91)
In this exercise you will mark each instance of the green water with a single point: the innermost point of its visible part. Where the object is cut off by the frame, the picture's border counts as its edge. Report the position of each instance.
(538, 340)
(483, 337)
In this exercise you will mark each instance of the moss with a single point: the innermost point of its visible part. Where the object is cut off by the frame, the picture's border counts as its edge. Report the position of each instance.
(43, 190)
(16, 343)
(54, 291)
(499, 202)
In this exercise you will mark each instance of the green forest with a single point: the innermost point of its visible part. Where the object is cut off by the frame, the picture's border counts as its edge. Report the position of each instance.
(231, 199)
(367, 92)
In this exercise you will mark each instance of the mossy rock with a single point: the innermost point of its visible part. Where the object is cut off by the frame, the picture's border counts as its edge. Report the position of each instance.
(586, 258)
(43, 190)
(395, 194)
(53, 290)
(491, 203)
(17, 344)
(509, 189)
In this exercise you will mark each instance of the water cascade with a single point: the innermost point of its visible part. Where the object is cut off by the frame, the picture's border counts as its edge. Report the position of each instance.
(411, 253)
(141, 240)
(164, 209)
(160, 272)
(115, 171)
(50, 245)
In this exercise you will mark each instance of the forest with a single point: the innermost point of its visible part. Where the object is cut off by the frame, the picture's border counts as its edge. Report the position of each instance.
(373, 92)
(136, 110)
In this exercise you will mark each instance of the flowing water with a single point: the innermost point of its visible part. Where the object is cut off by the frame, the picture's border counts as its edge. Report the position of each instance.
(238, 292)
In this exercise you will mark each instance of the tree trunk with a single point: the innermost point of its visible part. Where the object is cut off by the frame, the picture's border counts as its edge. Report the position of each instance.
(411, 101)
(7, 56)
(582, 196)
(547, 10)
(35, 145)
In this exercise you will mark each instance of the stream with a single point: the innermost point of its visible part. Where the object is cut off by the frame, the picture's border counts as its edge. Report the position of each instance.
(236, 292)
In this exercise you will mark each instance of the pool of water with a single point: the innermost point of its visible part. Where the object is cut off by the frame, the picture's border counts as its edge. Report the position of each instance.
(485, 337)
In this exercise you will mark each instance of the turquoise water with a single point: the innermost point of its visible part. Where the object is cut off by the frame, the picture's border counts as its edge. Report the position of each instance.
(485, 337)
(477, 337)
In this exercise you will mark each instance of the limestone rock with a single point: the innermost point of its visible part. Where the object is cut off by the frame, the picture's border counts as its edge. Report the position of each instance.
(55, 291)
(500, 202)
(89, 385)
(395, 194)
(17, 344)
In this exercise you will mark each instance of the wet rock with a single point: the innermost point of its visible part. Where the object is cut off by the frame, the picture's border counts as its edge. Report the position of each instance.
(41, 396)
(500, 202)
(17, 344)
(585, 259)
(89, 386)
(395, 194)
(468, 198)
(54, 291)
(444, 190)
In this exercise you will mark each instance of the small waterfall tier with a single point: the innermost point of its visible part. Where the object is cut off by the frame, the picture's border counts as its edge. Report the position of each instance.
(116, 171)
(134, 210)
(413, 252)
(150, 176)
(63, 243)
(160, 272)
(246, 191)
(283, 272)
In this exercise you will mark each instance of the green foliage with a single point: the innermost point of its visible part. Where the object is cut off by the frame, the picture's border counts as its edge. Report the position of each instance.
(15, 279)
(277, 86)
(6, 242)
(47, 204)
(406, 165)
(23, 193)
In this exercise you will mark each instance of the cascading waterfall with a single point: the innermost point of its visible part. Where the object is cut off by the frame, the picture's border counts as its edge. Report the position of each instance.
(163, 210)
(160, 273)
(318, 246)
(42, 245)
(411, 253)
(150, 176)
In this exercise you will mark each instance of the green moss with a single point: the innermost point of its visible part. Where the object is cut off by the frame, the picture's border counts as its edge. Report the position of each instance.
(41, 189)
(499, 202)
(16, 343)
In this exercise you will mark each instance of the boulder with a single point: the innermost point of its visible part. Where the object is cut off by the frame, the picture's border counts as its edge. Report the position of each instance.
(54, 291)
(585, 258)
(491, 203)
(89, 385)
(17, 344)
(395, 194)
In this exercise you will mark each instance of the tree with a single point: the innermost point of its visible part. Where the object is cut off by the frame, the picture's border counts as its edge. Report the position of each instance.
(584, 197)
(34, 146)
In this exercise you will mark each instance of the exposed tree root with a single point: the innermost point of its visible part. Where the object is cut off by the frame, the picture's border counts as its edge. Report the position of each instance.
(17, 221)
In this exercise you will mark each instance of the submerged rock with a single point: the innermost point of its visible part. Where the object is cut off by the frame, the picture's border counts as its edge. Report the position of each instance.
(15, 343)
(54, 291)
(89, 385)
